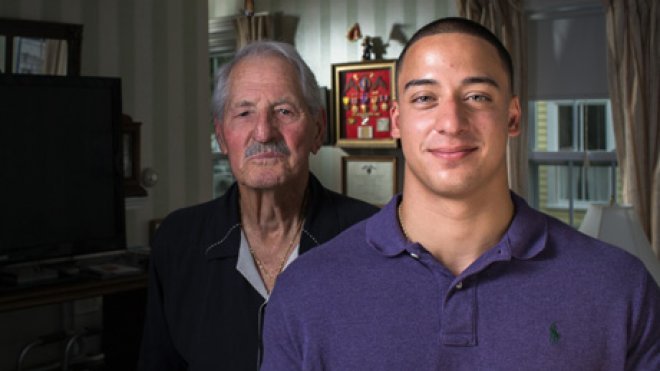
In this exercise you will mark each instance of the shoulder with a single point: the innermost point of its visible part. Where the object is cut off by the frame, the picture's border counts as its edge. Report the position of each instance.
(610, 267)
(345, 206)
(329, 213)
(349, 207)
(189, 231)
(326, 264)
(187, 219)
(566, 248)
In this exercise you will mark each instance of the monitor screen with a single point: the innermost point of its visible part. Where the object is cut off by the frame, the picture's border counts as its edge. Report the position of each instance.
(60, 155)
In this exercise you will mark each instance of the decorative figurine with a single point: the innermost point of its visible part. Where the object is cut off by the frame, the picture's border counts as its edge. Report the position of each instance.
(368, 46)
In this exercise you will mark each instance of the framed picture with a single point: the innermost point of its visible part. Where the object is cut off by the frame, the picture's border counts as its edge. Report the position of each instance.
(363, 93)
(369, 178)
(131, 157)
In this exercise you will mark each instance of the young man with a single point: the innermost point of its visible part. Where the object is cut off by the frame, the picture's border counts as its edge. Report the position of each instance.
(459, 273)
(214, 265)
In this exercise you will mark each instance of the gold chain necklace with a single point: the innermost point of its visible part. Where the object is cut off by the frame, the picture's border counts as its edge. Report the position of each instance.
(260, 264)
(266, 274)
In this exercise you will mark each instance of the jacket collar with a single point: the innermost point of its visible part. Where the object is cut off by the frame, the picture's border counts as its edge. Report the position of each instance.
(226, 221)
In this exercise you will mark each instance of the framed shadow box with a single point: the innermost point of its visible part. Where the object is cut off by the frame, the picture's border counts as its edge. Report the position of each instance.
(362, 96)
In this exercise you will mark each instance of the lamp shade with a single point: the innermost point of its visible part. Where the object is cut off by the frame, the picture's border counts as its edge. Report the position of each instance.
(619, 226)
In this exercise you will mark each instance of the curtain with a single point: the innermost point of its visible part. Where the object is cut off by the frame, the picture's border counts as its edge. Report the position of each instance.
(252, 28)
(633, 47)
(506, 19)
(55, 57)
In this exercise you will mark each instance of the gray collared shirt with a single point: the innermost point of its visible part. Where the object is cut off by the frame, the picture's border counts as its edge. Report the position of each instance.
(248, 268)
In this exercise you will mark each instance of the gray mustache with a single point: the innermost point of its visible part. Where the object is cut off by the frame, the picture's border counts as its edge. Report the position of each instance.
(257, 148)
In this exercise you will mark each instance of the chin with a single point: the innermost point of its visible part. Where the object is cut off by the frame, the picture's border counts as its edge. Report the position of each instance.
(454, 187)
(263, 183)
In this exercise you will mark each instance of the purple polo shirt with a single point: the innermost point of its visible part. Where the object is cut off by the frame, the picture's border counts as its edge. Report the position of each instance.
(546, 297)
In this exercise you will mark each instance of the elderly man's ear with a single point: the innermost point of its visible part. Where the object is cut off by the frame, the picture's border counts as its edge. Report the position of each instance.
(319, 134)
(218, 136)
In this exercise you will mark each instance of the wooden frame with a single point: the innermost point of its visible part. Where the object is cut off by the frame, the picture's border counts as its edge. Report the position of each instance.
(363, 93)
(20, 28)
(131, 157)
(369, 178)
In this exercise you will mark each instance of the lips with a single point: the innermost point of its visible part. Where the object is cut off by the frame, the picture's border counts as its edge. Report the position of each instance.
(452, 153)
(266, 155)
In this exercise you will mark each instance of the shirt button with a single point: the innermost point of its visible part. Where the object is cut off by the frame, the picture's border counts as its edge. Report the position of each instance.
(459, 285)
(414, 256)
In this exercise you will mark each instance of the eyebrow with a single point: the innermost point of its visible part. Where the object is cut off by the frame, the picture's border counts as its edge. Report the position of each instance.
(467, 81)
(283, 101)
(419, 82)
(481, 80)
(247, 103)
(242, 103)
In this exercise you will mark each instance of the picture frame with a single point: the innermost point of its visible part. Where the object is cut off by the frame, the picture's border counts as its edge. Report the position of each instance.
(131, 157)
(362, 96)
(369, 178)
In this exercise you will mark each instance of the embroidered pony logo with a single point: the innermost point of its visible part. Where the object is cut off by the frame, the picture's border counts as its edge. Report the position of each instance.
(554, 334)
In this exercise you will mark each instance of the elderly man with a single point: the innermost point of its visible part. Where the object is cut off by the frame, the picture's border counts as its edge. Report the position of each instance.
(459, 273)
(214, 265)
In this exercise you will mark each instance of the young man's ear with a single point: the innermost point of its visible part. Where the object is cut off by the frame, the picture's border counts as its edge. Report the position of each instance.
(514, 117)
(394, 118)
(320, 125)
(219, 136)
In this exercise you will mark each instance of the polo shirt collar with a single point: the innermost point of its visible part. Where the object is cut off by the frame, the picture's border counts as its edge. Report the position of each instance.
(524, 239)
(384, 231)
(528, 233)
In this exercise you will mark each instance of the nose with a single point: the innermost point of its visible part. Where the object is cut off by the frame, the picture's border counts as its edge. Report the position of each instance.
(264, 129)
(450, 117)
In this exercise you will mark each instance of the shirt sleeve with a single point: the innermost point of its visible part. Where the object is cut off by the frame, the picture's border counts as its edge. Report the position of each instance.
(157, 351)
(644, 345)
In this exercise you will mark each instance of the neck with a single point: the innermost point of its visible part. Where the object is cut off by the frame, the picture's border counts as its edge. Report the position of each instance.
(272, 221)
(272, 210)
(456, 231)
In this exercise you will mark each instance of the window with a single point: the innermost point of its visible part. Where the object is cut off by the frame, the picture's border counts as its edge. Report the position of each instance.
(572, 163)
(572, 159)
(222, 46)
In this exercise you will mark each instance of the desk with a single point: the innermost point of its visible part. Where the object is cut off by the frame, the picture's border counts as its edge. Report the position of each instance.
(58, 292)
(124, 300)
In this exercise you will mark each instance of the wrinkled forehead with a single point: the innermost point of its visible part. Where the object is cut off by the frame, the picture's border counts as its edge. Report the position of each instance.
(265, 76)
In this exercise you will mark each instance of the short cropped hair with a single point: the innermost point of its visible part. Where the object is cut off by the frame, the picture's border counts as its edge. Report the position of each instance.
(305, 77)
(464, 26)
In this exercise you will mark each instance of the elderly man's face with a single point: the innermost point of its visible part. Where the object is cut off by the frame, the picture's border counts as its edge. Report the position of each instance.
(266, 131)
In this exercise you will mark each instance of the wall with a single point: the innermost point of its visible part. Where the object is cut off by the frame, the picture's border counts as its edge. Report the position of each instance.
(320, 38)
(159, 48)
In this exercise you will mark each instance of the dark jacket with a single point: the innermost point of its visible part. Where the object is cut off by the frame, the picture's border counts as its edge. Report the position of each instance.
(202, 314)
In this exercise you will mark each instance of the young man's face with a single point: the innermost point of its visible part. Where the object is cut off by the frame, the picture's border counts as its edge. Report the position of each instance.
(454, 115)
(266, 131)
